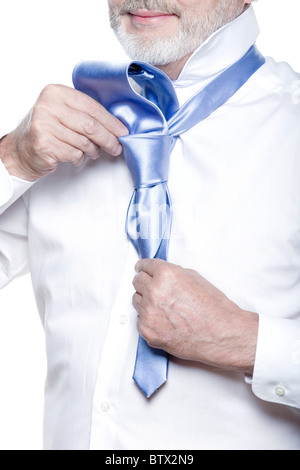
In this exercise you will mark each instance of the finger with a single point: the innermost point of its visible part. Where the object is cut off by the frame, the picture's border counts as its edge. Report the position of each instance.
(79, 162)
(57, 151)
(88, 131)
(66, 153)
(80, 101)
(141, 282)
(78, 141)
(137, 302)
(149, 266)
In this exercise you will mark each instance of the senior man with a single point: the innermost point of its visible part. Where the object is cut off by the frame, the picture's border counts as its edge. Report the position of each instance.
(226, 306)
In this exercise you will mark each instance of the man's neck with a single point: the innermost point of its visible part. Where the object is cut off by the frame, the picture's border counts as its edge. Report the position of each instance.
(174, 69)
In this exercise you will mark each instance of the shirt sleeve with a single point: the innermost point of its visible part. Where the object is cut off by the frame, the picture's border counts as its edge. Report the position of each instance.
(13, 227)
(276, 375)
(11, 188)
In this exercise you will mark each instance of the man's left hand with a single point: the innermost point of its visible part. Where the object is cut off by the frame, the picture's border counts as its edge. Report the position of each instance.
(182, 313)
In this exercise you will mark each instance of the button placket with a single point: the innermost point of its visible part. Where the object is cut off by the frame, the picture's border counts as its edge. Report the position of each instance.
(105, 406)
(105, 395)
(123, 320)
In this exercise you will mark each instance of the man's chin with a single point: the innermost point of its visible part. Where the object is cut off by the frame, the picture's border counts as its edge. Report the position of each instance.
(162, 51)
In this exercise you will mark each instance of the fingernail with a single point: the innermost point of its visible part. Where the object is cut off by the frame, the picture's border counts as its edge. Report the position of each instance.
(124, 132)
(117, 150)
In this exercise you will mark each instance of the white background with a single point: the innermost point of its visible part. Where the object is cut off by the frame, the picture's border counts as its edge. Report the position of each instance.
(40, 42)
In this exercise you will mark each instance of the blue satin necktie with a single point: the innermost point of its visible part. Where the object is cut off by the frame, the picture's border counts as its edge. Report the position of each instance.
(154, 121)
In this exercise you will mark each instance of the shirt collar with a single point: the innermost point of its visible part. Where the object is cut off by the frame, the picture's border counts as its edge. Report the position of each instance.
(220, 50)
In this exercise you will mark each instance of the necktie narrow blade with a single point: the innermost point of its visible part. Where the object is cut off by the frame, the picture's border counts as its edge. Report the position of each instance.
(154, 121)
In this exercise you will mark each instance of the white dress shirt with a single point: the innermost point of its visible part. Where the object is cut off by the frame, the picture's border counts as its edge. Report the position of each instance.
(234, 182)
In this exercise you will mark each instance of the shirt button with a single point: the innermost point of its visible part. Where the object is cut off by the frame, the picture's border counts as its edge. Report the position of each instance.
(123, 319)
(105, 406)
(280, 391)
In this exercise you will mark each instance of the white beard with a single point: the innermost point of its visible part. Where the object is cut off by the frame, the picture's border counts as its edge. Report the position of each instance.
(162, 50)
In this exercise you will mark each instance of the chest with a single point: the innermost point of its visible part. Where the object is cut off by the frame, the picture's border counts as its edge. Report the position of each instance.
(236, 213)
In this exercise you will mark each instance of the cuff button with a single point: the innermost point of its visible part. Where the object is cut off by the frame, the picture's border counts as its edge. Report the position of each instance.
(280, 391)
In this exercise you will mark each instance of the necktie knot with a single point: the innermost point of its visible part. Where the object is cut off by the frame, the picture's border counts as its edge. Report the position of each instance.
(147, 157)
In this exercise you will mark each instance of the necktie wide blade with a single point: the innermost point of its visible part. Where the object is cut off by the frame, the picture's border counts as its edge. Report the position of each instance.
(154, 121)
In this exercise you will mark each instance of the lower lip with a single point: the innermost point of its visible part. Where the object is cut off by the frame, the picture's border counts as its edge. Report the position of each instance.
(150, 19)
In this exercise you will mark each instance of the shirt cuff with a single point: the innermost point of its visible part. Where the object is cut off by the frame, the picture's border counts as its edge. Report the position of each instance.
(276, 375)
(11, 188)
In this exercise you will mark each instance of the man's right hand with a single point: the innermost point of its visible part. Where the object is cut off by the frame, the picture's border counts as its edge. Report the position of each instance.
(63, 126)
